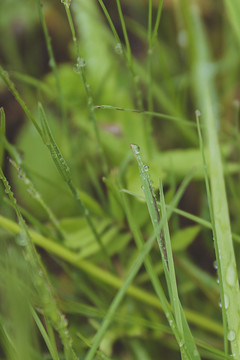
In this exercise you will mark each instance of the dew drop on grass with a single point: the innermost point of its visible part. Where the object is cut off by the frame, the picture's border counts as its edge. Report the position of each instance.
(231, 335)
(80, 64)
(226, 301)
(181, 343)
(145, 167)
(215, 265)
(231, 275)
(142, 187)
(220, 303)
(21, 240)
(136, 149)
(118, 49)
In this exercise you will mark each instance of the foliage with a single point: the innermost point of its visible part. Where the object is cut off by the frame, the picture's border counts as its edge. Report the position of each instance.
(118, 207)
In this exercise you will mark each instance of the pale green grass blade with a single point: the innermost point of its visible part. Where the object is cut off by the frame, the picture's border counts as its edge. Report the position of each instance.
(223, 239)
(210, 204)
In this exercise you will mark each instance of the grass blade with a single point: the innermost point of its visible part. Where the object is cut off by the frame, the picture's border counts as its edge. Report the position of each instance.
(167, 258)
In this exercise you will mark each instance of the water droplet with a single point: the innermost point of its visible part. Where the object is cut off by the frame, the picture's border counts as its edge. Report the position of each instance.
(215, 265)
(181, 343)
(119, 49)
(80, 64)
(66, 2)
(220, 303)
(21, 240)
(136, 148)
(231, 335)
(218, 281)
(231, 275)
(198, 113)
(226, 301)
(145, 167)
(142, 187)
(168, 315)
(64, 321)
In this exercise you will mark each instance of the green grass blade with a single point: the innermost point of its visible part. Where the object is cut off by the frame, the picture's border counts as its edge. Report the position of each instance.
(210, 204)
(222, 225)
(167, 258)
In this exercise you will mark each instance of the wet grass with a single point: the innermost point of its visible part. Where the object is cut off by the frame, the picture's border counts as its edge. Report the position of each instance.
(118, 207)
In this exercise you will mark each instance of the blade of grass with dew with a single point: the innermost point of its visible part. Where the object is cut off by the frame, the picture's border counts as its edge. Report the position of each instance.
(166, 252)
(40, 279)
(106, 277)
(152, 273)
(224, 299)
(188, 337)
(148, 113)
(224, 244)
(65, 173)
